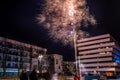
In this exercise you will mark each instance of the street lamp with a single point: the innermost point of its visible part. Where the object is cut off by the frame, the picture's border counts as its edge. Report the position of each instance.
(39, 61)
(77, 58)
(75, 48)
(40, 57)
(45, 50)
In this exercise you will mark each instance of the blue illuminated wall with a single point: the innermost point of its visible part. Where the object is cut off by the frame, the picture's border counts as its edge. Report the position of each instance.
(117, 56)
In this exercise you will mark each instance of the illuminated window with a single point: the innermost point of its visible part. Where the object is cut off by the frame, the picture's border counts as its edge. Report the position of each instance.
(102, 53)
(117, 59)
(107, 47)
(108, 52)
(99, 48)
(109, 74)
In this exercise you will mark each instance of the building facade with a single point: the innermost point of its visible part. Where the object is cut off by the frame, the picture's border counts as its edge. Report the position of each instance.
(56, 63)
(16, 56)
(99, 54)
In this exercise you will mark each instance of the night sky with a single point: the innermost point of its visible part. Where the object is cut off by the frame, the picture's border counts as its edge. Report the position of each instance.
(18, 22)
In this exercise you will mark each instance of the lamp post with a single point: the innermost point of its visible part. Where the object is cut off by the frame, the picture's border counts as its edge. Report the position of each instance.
(77, 59)
(75, 49)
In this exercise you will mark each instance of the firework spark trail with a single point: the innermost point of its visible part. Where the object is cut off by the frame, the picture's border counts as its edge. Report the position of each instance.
(61, 17)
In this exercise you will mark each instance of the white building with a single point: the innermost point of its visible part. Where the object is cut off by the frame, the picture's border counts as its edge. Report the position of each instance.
(56, 63)
(99, 54)
(15, 56)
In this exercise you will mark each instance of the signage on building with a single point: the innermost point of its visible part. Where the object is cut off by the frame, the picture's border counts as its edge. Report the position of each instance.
(11, 70)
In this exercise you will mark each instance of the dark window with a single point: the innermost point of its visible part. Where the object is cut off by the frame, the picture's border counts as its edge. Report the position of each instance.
(59, 67)
(0, 57)
(8, 65)
(16, 66)
(56, 61)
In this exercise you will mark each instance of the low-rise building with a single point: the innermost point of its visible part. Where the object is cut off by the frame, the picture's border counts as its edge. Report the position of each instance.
(16, 56)
(56, 63)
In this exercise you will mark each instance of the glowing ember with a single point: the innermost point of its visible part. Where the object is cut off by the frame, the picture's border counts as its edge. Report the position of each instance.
(61, 17)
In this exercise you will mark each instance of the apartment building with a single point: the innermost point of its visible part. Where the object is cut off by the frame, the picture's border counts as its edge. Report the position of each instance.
(16, 56)
(99, 54)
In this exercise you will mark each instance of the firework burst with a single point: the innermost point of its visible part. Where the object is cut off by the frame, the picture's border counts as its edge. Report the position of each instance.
(62, 17)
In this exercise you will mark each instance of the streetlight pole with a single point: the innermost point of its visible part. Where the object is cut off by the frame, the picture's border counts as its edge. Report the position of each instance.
(75, 48)
(77, 59)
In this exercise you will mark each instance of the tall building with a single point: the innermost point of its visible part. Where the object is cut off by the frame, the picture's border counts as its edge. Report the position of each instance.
(99, 54)
(16, 56)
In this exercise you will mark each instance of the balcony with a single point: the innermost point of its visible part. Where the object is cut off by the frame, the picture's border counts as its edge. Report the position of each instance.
(96, 60)
(95, 56)
(96, 51)
(94, 38)
(100, 64)
(96, 46)
(101, 69)
(93, 42)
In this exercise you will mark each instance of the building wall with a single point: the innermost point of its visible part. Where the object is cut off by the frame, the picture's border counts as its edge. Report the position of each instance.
(97, 54)
(58, 61)
(15, 56)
